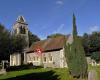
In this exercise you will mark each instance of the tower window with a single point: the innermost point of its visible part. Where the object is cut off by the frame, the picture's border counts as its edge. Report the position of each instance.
(22, 30)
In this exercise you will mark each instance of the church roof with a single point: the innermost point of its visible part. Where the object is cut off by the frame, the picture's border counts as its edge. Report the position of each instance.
(49, 44)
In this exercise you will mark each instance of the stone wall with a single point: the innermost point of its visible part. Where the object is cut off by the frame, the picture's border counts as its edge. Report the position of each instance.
(53, 59)
(15, 59)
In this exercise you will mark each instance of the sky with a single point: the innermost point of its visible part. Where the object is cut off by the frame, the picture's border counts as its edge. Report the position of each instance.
(46, 17)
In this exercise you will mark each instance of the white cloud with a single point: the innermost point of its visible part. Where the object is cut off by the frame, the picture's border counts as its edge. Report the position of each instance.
(93, 28)
(59, 2)
(59, 29)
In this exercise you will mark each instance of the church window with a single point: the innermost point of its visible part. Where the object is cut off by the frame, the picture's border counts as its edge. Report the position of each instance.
(45, 59)
(50, 58)
(37, 58)
(33, 58)
(22, 30)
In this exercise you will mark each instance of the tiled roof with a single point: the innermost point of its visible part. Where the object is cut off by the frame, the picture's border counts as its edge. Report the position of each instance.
(48, 44)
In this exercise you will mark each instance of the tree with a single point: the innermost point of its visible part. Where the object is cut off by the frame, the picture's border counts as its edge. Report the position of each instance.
(9, 43)
(75, 55)
(74, 26)
(4, 42)
(17, 44)
(96, 56)
(33, 38)
(85, 42)
(91, 42)
(55, 35)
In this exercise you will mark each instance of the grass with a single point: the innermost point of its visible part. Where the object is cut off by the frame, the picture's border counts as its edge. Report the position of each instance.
(98, 71)
(38, 74)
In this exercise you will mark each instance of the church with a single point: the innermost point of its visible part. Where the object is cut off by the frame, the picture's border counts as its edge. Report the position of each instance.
(20, 28)
(48, 52)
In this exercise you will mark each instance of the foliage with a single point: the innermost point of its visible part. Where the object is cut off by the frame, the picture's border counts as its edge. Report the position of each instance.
(33, 38)
(74, 27)
(55, 35)
(75, 55)
(17, 43)
(21, 67)
(4, 42)
(85, 42)
(10, 43)
(96, 56)
(91, 42)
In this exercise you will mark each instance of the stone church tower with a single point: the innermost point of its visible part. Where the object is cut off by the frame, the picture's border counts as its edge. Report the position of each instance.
(20, 28)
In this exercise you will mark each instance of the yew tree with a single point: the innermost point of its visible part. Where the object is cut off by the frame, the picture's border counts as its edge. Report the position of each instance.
(75, 55)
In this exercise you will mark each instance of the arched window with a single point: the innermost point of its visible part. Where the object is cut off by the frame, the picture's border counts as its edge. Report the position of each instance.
(22, 30)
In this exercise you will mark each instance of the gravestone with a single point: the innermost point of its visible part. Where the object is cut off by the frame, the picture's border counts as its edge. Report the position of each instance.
(92, 75)
(4, 64)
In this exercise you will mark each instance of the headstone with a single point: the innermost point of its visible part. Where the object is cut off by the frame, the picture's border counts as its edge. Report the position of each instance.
(4, 64)
(2, 71)
(92, 75)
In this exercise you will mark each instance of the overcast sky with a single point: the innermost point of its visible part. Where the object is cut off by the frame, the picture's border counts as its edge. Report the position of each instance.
(45, 17)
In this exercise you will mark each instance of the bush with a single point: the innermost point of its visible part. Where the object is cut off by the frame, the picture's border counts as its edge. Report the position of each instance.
(0, 67)
(21, 67)
(96, 56)
(75, 55)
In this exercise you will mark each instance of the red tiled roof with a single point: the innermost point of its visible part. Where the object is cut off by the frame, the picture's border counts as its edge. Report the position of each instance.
(48, 44)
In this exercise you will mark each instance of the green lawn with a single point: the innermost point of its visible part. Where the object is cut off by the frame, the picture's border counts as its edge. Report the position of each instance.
(98, 71)
(38, 74)
(43, 74)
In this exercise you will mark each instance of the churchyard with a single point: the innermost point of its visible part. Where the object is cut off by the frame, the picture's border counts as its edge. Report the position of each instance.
(38, 74)
(43, 74)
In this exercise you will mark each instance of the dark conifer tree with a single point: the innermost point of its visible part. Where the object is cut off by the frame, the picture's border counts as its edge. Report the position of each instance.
(75, 55)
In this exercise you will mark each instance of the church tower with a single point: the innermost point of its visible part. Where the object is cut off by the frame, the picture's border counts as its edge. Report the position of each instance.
(21, 28)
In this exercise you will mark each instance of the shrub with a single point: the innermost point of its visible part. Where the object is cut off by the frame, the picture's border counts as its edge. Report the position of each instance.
(21, 67)
(75, 55)
(96, 56)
